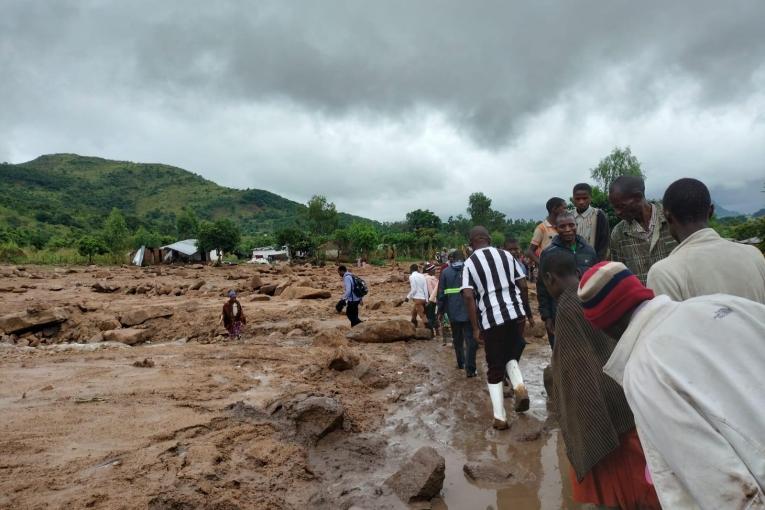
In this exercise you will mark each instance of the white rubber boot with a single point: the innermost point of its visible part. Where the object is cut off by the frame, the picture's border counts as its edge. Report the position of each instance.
(519, 389)
(498, 405)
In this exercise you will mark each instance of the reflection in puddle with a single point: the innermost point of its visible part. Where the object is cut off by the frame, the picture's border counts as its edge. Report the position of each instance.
(453, 419)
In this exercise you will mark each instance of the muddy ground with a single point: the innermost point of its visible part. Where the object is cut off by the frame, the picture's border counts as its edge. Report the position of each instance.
(185, 418)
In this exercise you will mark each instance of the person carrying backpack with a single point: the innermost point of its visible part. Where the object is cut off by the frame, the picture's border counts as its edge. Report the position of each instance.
(450, 302)
(354, 289)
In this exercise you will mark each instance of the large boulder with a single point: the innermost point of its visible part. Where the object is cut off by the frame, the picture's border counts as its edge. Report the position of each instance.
(254, 283)
(315, 417)
(268, 289)
(141, 315)
(382, 332)
(305, 293)
(105, 287)
(421, 478)
(32, 319)
(129, 336)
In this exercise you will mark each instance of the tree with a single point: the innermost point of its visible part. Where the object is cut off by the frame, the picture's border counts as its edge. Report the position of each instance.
(481, 213)
(363, 237)
(187, 224)
(90, 246)
(221, 236)
(322, 215)
(297, 240)
(143, 237)
(420, 218)
(479, 209)
(619, 162)
(116, 234)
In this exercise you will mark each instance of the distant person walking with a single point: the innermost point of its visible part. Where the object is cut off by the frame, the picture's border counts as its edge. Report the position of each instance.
(431, 306)
(545, 231)
(569, 241)
(350, 300)
(602, 445)
(642, 238)
(703, 263)
(591, 222)
(492, 280)
(232, 316)
(451, 304)
(418, 294)
(692, 374)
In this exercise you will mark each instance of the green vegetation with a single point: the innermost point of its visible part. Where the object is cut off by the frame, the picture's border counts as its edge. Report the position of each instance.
(223, 236)
(619, 162)
(66, 208)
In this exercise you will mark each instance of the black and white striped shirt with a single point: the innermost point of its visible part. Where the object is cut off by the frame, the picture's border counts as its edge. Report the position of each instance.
(492, 274)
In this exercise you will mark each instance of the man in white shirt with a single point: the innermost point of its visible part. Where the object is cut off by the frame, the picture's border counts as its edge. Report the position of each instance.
(703, 263)
(693, 375)
(418, 294)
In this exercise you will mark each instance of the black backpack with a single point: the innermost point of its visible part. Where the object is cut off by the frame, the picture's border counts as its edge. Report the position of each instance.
(360, 287)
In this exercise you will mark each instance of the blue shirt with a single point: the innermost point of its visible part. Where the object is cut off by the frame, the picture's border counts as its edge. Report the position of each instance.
(348, 294)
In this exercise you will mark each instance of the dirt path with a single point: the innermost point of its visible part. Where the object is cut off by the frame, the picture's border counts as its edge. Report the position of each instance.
(198, 422)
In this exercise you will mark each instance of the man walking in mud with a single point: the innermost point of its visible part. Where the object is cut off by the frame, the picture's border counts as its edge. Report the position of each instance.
(491, 289)
(451, 303)
(418, 294)
(350, 299)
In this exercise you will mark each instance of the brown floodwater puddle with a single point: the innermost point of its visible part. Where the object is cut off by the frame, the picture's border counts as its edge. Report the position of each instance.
(453, 414)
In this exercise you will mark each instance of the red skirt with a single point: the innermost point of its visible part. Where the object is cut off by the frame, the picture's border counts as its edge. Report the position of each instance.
(619, 479)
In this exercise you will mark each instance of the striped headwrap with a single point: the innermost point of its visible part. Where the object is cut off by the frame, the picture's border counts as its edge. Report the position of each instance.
(607, 291)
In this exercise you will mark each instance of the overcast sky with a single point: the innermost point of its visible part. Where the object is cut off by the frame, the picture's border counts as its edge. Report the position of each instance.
(385, 107)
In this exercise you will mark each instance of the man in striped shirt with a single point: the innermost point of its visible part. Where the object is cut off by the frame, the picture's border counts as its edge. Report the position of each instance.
(493, 280)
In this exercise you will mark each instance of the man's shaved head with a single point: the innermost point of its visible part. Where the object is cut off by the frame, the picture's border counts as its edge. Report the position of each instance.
(629, 185)
(479, 237)
(479, 232)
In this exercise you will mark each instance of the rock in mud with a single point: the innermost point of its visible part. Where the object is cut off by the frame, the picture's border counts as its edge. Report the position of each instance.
(104, 287)
(305, 293)
(254, 283)
(268, 289)
(315, 417)
(32, 319)
(421, 478)
(342, 360)
(197, 285)
(330, 338)
(260, 297)
(128, 336)
(526, 429)
(382, 332)
(489, 472)
(146, 363)
(141, 315)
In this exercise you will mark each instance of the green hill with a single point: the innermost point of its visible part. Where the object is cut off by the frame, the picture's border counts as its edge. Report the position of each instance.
(64, 195)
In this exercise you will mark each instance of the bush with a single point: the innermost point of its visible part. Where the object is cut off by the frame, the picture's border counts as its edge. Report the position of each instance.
(10, 252)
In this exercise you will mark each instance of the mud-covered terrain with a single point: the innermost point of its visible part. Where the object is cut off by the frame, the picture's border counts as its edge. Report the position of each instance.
(118, 389)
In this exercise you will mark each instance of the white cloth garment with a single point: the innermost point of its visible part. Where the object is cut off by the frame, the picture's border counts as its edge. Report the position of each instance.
(704, 264)
(693, 376)
(586, 224)
(418, 286)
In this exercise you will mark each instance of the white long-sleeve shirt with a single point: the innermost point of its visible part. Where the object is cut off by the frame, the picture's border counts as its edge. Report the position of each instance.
(418, 286)
(694, 376)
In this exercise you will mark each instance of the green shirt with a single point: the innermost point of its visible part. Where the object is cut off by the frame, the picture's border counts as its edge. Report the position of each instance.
(631, 246)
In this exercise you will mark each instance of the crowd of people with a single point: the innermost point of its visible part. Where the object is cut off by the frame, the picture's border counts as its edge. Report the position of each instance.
(657, 331)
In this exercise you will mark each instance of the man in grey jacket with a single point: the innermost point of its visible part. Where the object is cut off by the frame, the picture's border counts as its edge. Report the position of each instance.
(451, 303)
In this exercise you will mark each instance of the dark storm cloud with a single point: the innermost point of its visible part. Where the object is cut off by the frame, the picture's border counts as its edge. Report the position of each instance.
(297, 95)
(489, 65)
